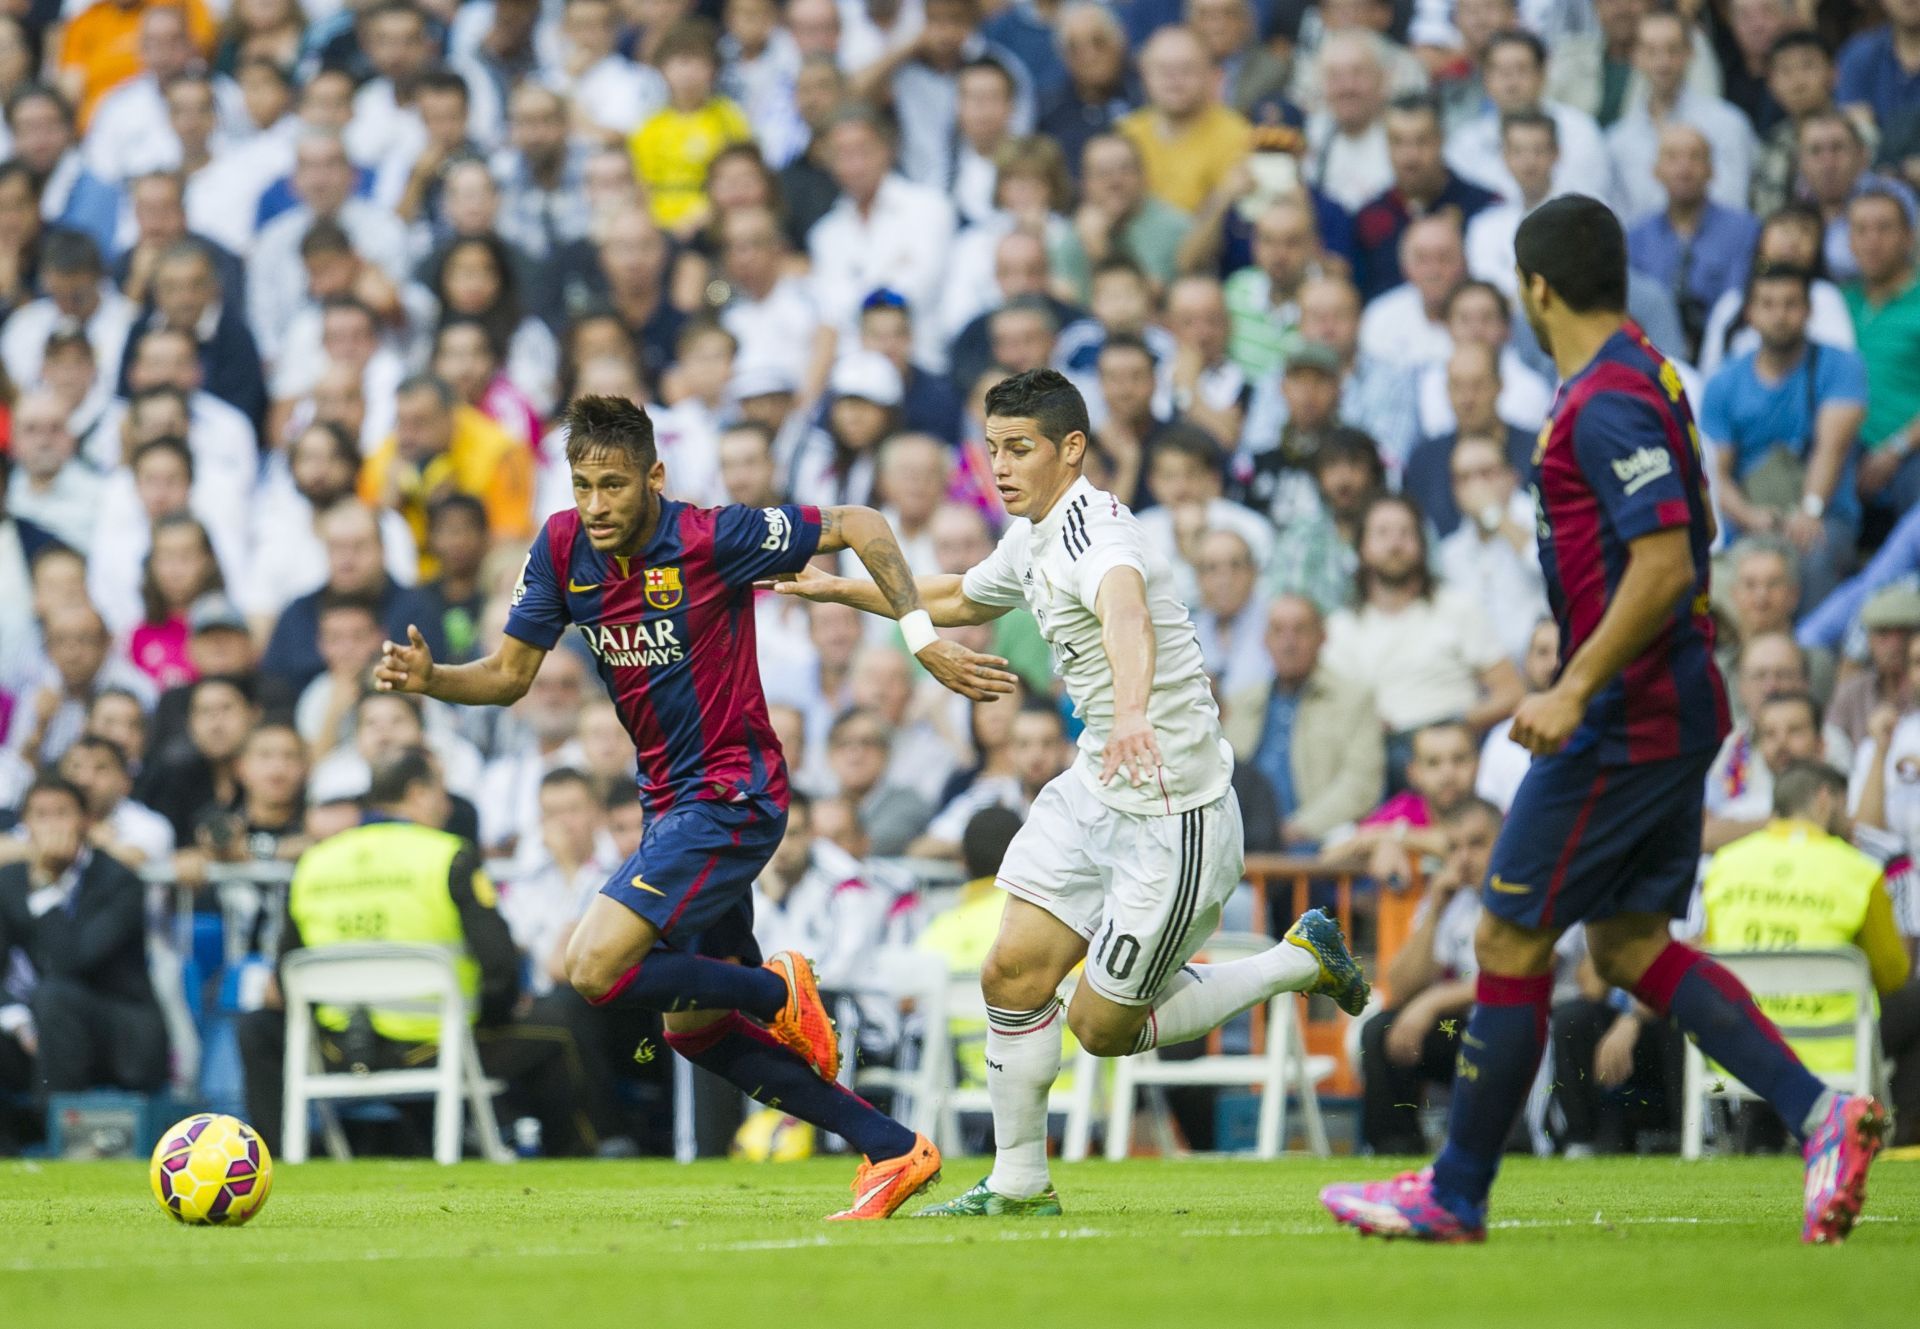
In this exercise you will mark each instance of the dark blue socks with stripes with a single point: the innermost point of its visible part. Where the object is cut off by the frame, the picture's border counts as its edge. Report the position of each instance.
(1500, 1050)
(1712, 1005)
(677, 981)
(746, 1055)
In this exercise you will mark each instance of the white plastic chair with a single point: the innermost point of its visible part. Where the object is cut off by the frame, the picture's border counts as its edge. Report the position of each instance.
(1839, 972)
(933, 1101)
(389, 977)
(1281, 1069)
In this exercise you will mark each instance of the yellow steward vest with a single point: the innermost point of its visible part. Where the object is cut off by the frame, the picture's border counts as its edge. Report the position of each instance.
(1793, 887)
(383, 882)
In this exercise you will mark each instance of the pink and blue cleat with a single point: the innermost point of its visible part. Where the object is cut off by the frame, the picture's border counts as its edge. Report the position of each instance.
(1838, 1154)
(1404, 1207)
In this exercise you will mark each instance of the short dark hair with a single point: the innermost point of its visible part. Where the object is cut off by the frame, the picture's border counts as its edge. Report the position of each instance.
(1470, 804)
(1795, 788)
(445, 80)
(1798, 39)
(68, 250)
(332, 602)
(393, 778)
(1423, 569)
(52, 782)
(100, 743)
(1345, 444)
(992, 65)
(172, 443)
(1044, 396)
(1516, 37)
(456, 504)
(1781, 272)
(983, 844)
(1481, 286)
(1419, 103)
(1576, 244)
(325, 237)
(1192, 442)
(560, 775)
(610, 424)
(40, 92)
(1530, 119)
(1795, 697)
(240, 683)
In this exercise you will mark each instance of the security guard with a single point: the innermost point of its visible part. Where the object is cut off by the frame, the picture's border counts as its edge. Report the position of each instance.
(394, 878)
(1796, 884)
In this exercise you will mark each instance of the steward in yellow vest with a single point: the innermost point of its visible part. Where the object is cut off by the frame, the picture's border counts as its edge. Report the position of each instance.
(1796, 884)
(396, 879)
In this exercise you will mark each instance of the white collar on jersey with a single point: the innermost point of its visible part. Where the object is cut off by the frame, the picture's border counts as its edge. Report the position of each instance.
(1057, 514)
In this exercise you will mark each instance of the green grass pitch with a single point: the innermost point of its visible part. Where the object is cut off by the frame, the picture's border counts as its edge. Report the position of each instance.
(1219, 1242)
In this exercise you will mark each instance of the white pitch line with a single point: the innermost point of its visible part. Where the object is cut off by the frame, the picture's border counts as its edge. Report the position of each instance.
(944, 1237)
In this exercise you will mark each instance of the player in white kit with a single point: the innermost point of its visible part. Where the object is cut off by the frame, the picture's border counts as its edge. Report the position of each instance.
(1128, 856)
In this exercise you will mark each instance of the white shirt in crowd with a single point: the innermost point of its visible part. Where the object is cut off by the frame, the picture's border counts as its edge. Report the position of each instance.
(1423, 663)
(1505, 580)
(1633, 141)
(1395, 329)
(902, 244)
(541, 905)
(1350, 169)
(23, 342)
(1054, 567)
(1473, 151)
(1525, 397)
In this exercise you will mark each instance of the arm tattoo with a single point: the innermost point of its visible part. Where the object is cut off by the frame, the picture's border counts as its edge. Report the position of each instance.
(831, 539)
(890, 573)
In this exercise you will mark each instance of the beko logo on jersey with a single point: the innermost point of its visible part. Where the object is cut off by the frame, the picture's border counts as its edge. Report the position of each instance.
(1642, 468)
(634, 645)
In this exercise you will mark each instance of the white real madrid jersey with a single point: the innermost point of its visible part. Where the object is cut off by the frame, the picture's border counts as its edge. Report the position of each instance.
(1054, 568)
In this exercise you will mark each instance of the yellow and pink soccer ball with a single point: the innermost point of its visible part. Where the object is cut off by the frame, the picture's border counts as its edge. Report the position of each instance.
(211, 1169)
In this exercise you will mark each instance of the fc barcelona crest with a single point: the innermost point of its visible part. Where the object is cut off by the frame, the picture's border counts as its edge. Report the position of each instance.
(663, 588)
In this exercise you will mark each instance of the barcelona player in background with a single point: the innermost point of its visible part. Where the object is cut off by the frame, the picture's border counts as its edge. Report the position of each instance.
(663, 595)
(1605, 828)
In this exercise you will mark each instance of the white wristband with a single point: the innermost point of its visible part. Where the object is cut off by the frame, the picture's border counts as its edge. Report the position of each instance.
(917, 628)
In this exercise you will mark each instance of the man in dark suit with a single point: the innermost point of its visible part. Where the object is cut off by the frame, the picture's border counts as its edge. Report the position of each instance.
(186, 293)
(80, 918)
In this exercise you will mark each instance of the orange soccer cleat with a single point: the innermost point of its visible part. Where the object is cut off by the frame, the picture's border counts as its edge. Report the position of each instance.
(880, 1188)
(803, 1026)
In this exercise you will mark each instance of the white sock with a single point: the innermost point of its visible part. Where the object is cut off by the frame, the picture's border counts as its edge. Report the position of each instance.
(1023, 1059)
(1199, 998)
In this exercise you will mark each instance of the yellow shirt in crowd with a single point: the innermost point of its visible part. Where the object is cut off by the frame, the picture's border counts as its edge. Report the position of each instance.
(481, 460)
(672, 150)
(1183, 168)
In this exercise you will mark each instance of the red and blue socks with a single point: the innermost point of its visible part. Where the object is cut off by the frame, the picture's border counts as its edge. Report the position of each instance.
(1715, 1008)
(1500, 1051)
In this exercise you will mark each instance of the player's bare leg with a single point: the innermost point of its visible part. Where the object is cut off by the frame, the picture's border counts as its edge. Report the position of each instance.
(1839, 1134)
(606, 948)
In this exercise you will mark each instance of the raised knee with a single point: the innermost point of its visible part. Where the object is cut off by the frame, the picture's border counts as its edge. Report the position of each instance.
(1102, 1040)
(592, 975)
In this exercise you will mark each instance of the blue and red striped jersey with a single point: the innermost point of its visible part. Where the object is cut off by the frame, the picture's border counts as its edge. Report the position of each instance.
(1620, 459)
(672, 631)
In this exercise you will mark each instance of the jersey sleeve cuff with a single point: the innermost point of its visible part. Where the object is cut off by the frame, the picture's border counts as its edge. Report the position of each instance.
(1662, 516)
(532, 633)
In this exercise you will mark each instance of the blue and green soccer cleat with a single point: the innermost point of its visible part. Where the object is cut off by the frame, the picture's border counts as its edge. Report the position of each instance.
(1340, 977)
(980, 1202)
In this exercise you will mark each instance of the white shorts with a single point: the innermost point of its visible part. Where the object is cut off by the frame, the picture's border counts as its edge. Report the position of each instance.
(1146, 892)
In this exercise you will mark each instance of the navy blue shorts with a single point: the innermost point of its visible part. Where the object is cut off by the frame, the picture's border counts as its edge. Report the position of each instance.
(692, 876)
(1585, 841)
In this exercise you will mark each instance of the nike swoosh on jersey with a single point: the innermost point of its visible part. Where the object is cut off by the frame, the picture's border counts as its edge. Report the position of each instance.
(640, 885)
(578, 589)
(1509, 887)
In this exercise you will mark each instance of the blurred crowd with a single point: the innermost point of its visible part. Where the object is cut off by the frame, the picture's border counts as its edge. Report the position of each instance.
(291, 296)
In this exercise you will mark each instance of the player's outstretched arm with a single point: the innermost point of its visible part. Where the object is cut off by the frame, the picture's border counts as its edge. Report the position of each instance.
(499, 680)
(1126, 635)
(895, 594)
(1659, 571)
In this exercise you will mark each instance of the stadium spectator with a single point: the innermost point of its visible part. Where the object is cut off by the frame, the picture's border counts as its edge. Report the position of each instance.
(1694, 246)
(1881, 795)
(1796, 884)
(1875, 68)
(78, 664)
(1012, 771)
(1347, 151)
(674, 146)
(267, 825)
(1315, 553)
(1514, 69)
(1310, 732)
(555, 878)
(1474, 392)
(350, 534)
(1406, 325)
(1476, 313)
(50, 486)
(1789, 238)
(1263, 299)
(1118, 216)
(1832, 161)
(79, 917)
(1786, 727)
(1885, 304)
(1530, 153)
(1800, 81)
(1492, 556)
(510, 794)
(1188, 141)
(860, 752)
(959, 936)
(1423, 648)
(1099, 88)
(806, 900)
(1230, 614)
(329, 896)
(929, 403)
(118, 825)
(1787, 417)
(178, 570)
(1503, 762)
(1890, 619)
(1423, 186)
(1624, 1090)
(71, 197)
(1662, 53)
(75, 291)
(1404, 830)
(196, 775)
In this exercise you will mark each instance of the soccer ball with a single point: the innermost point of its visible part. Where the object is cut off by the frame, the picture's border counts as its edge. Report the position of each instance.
(211, 1168)
(771, 1136)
